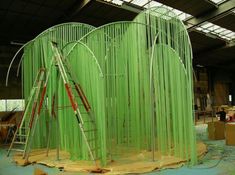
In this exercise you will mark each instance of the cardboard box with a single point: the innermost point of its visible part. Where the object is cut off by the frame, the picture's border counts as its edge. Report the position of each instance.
(230, 133)
(216, 130)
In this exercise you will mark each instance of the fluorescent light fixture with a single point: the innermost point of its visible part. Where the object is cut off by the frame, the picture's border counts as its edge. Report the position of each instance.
(230, 98)
(198, 65)
(16, 43)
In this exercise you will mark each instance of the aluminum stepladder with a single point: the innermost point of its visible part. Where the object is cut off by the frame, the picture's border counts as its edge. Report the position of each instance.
(80, 105)
(34, 120)
(87, 127)
(22, 133)
(39, 88)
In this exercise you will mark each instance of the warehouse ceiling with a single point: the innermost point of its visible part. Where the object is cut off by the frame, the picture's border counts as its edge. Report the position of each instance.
(22, 20)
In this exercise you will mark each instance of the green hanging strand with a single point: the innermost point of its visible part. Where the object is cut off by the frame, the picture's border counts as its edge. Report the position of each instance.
(136, 75)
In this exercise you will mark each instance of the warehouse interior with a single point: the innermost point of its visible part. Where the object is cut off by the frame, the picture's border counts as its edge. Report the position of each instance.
(155, 78)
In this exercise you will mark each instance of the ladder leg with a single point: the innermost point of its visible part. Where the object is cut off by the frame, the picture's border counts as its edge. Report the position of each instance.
(30, 138)
(48, 139)
(57, 140)
(57, 119)
(26, 143)
(86, 141)
(8, 134)
(9, 150)
(31, 125)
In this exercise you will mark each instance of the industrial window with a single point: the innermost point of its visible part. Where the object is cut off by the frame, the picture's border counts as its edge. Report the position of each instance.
(2, 105)
(12, 104)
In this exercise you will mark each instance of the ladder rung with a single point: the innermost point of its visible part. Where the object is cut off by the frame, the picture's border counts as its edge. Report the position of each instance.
(24, 128)
(89, 130)
(87, 121)
(19, 150)
(21, 135)
(21, 143)
(93, 139)
(93, 149)
(83, 113)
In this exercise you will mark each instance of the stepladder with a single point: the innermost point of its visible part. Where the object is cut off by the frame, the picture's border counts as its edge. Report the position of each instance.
(80, 105)
(22, 134)
(83, 112)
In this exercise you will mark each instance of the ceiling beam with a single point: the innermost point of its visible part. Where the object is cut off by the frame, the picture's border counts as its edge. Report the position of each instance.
(208, 51)
(132, 7)
(73, 10)
(200, 56)
(222, 10)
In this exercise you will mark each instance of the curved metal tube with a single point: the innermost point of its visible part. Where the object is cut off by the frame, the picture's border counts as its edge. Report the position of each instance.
(13, 59)
(93, 56)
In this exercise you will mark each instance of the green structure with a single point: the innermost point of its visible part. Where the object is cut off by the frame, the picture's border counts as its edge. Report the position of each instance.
(137, 76)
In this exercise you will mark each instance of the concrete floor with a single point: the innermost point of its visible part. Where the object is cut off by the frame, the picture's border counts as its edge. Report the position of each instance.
(220, 160)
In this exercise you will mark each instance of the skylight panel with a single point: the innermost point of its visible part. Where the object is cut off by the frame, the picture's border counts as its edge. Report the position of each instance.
(199, 28)
(177, 12)
(184, 16)
(218, 1)
(207, 25)
(221, 32)
(232, 34)
(153, 4)
(225, 32)
(215, 27)
(118, 2)
(149, 4)
(205, 30)
(140, 2)
(180, 14)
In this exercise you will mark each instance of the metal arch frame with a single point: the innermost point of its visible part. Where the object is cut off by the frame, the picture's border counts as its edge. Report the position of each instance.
(39, 35)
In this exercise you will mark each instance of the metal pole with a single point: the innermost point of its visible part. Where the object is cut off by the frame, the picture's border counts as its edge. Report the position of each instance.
(56, 117)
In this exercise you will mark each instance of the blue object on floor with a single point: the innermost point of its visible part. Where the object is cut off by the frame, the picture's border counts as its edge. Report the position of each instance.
(7, 167)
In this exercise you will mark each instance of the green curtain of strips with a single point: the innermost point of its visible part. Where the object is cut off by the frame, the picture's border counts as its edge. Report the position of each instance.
(137, 76)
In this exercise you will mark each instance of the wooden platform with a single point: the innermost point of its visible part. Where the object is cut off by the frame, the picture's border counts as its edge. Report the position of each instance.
(128, 163)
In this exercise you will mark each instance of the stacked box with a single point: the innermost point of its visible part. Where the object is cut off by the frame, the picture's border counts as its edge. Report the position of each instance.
(216, 130)
(230, 133)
